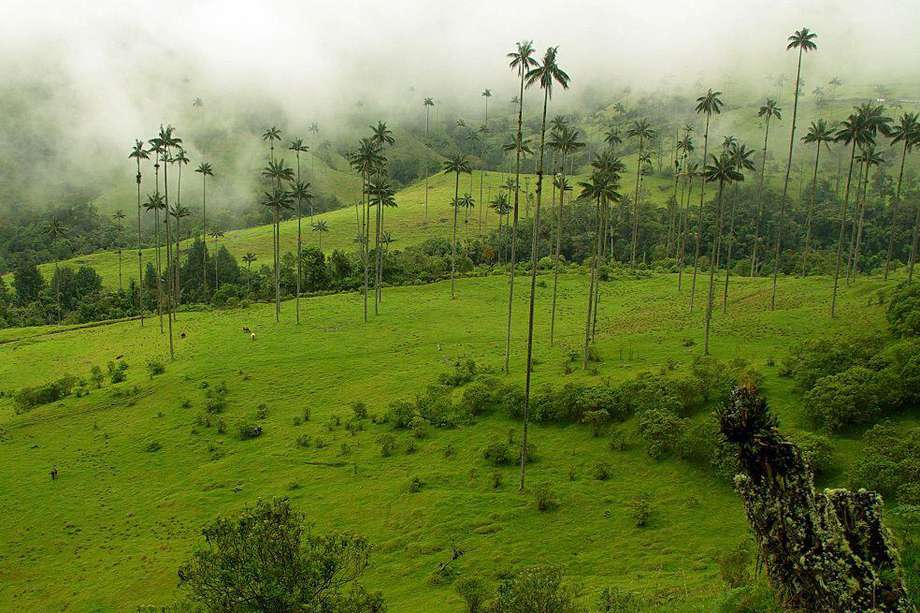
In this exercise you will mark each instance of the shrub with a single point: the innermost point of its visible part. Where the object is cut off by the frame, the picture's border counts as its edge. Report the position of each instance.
(463, 372)
(474, 591)
(545, 498)
(479, 397)
(419, 426)
(303, 440)
(816, 449)
(601, 471)
(152, 447)
(28, 398)
(496, 480)
(117, 371)
(734, 565)
(215, 405)
(247, 431)
(818, 358)
(262, 411)
(499, 453)
(853, 397)
(889, 462)
(96, 376)
(616, 600)
(359, 409)
(155, 367)
(277, 559)
(661, 431)
(640, 510)
(904, 311)
(387, 444)
(221, 426)
(539, 588)
(597, 420)
(400, 413)
(415, 485)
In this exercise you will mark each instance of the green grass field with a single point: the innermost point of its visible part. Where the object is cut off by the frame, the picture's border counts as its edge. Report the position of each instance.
(109, 534)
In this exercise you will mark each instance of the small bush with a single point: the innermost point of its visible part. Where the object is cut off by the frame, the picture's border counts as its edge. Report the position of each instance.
(600, 471)
(303, 441)
(661, 431)
(152, 447)
(96, 376)
(539, 588)
(215, 405)
(262, 411)
(449, 451)
(616, 600)
(463, 372)
(474, 591)
(597, 420)
(415, 485)
(496, 480)
(904, 311)
(221, 426)
(419, 426)
(387, 444)
(640, 510)
(117, 371)
(400, 414)
(28, 398)
(247, 431)
(359, 409)
(545, 498)
(816, 449)
(155, 367)
(306, 414)
(853, 397)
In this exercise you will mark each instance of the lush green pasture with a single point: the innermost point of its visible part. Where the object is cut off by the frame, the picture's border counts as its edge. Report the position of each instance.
(110, 533)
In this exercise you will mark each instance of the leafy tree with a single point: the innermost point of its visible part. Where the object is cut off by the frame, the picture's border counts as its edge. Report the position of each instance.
(267, 559)
(536, 589)
(27, 281)
(903, 311)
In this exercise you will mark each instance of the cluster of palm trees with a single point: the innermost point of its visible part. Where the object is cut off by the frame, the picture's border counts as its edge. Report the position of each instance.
(369, 161)
(167, 151)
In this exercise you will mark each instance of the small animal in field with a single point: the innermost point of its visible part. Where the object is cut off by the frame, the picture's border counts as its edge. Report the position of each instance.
(252, 336)
(182, 335)
(118, 357)
(246, 330)
(54, 473)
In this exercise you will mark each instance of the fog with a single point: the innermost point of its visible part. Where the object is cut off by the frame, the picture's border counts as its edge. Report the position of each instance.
(91, 76)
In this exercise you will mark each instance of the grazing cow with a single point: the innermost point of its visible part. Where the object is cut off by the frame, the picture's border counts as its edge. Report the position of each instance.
(54, 473)
(246, 330)
(252, 336)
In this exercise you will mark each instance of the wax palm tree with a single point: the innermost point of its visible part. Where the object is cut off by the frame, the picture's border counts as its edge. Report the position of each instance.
(855, 132)
(501, 207)
(216, 235)
(741, 157)
(180, 159)
(564, 141)
(721, 169)
(56, 231)
(382, 135)
(467, 202)
(156, 203)
(545, 75)
(138, 153)
(270, 136)
(380, 195)
(907, 133)
(769, 111)
(320, 227)
(205, 170)
(819, 133)
(366, 160)
(642, 130)
(118, 219)
(197, 103)
(708, 104)
(169, 141)
(277, 200)
(156, 146)
(299, 192)
(612, 138)
(868, 158)
(487, 93)
(691, 171)
(455, 165)
(428, 104)
(522, 61)
(803, 40)
(178, 212)
(248, 259)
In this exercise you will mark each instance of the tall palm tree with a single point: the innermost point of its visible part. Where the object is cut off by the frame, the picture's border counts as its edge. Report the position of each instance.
(869, 158)
(117, 218)
(138, 153)
(642, 130)
(320, 227)
(723, 170)
(545, 75)
(611, 167)
(564, 142)
(249, 258)
(383, 136)
(770, 110)
(169, 141)
(155, 203)
(180, 159)
(159, 151)
(906, 132)
(501, 207)
(428, 104)
(366, 160)
(686, 147)
(205, 170)
(178, 212)
(487, 93)
(741, 157)
(803, 40)
(276, 200)
(216, 235)
(819, 133)
(455, 165)
(56, 231)
(612, 138)
(709, 103)
(299, 192)
(854, 132)
(521, 61)
(270, 136)
(380, 195)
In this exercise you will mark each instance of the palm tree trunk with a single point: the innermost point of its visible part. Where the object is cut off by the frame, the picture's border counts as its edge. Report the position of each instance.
(859, 226)
(552, 321)
(377, 253)
(713, 265)
(514, 222)
(591, 278)
(481, 203)
(811, 210)
(894, 209)
(683, 235)
(453, 240)
(156, 232)
(178, 281)
(140, 264)
(635, 228)
(731, 243)
(782, 202)
(204, 235)
(843, 225)
(913, 248)
(367, 242)
(277, 262)
(757, 221)
(604, 258)
(699, 227)
(534, 258)
(299, 248)
(857, 216)
(169, 319)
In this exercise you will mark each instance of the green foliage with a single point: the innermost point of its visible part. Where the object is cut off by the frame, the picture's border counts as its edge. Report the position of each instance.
(268, 558)
(853, 397)
(155, 367)
(28, 398)
(247, 431)
(463, 372)
(816, 448)
(359, 409)
(545, 498)
(904, 311)
(661, 431)
(889, 463)
(474, 590)
(616, 600)
(387, 444)
(117, 371)
(597, 420)
(538, 588)
(815, 359)
(735, 565)
(640, 509)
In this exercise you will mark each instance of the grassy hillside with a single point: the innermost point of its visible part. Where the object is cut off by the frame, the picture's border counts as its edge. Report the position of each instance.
(109, 534)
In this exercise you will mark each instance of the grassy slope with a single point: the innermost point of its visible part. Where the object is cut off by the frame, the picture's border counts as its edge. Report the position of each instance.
(111, 532)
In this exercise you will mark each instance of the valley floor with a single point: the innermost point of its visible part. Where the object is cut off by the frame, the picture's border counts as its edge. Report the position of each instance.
(110, 533)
